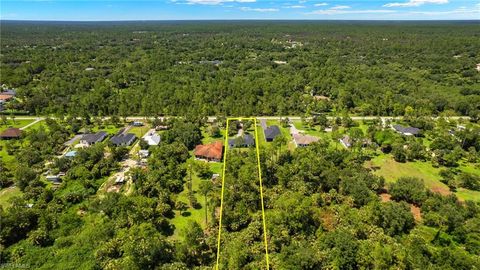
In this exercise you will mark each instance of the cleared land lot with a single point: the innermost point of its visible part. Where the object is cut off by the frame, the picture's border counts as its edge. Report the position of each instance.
(391, 170)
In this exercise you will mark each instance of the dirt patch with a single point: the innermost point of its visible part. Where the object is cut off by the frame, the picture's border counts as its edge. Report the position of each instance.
(385, 197)
(417, 214)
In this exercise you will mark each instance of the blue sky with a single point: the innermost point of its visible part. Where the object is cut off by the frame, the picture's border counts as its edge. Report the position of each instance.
(99, 10)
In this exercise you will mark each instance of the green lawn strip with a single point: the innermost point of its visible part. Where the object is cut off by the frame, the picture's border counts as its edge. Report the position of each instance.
(466, 194)
(110, 129)
(37, 125)
(470, 168)
(3, 153)
(16, 124)
(139, 131)
(7, 193)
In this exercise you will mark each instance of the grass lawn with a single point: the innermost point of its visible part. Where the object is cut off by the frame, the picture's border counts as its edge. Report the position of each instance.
(38, 125)
(7, 193)
(139, 131)
(209, 139)
(181, 221)
(470, 168)
(16, 124)
(392, 170)
(110, 129)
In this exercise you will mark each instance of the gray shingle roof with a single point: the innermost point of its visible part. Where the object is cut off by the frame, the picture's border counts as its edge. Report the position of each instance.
(92, 138)
(244, 141)
(123, 139)
(271, 132)
(406, 130)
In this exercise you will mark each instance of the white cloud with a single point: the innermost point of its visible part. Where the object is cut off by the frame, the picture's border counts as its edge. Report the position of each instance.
(216, 2)
(460, 10)
(416, 3)
(320, 4)
(296, 6)
(340, 7)
(259, 9)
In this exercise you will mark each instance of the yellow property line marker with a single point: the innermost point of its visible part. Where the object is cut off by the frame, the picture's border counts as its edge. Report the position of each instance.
(223, 188)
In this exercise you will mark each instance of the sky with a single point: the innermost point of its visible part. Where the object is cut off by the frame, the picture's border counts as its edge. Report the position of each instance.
(100, 10)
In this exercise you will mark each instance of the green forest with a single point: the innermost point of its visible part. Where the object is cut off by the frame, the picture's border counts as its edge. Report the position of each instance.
(381, 200)
(242, 68)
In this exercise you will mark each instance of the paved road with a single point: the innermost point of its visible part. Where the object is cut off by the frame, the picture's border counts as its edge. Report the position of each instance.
(263, 123)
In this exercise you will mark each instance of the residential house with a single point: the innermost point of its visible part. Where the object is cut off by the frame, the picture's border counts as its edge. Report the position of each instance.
(246, 140)
(93, 138)
(11, 133)
(152, 138)
(301, 140)
(407, 131)
(55, 179)
(5, 97)
(210, 152)
(271, 132)
(123, 139)
(346, 141)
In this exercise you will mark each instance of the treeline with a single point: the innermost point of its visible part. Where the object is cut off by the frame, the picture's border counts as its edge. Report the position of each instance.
(210, 68)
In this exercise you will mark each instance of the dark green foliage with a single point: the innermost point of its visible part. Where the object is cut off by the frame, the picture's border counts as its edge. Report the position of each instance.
(409, 189)
(185, 132)
(160, 71)
(394, 218)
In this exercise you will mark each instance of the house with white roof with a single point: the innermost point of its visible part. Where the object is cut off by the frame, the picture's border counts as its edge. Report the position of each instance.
(152, 138)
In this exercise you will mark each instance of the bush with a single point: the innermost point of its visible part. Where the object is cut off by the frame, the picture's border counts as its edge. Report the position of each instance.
(409, 189)
(469, 181)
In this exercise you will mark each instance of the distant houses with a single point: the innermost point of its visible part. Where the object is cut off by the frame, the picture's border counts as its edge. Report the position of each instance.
(121, 139)
(11, 133)
(301, 140)
(137, 123)
(152, 138)
(407, 131)
(271, 133)
(210, 152)
(5, 97)
(246, 140)
(90, 139)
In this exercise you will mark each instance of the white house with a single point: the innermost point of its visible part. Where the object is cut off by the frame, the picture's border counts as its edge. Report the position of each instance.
(152, 138)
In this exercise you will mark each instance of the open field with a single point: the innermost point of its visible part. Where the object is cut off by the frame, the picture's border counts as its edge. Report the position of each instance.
(386, 166)
(7, 193)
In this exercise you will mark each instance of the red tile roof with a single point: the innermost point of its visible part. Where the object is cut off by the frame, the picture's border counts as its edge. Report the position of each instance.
(5, 96)
(209, 151)
(11, 133)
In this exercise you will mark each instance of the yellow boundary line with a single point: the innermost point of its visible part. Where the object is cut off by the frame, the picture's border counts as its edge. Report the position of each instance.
(223, 188)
